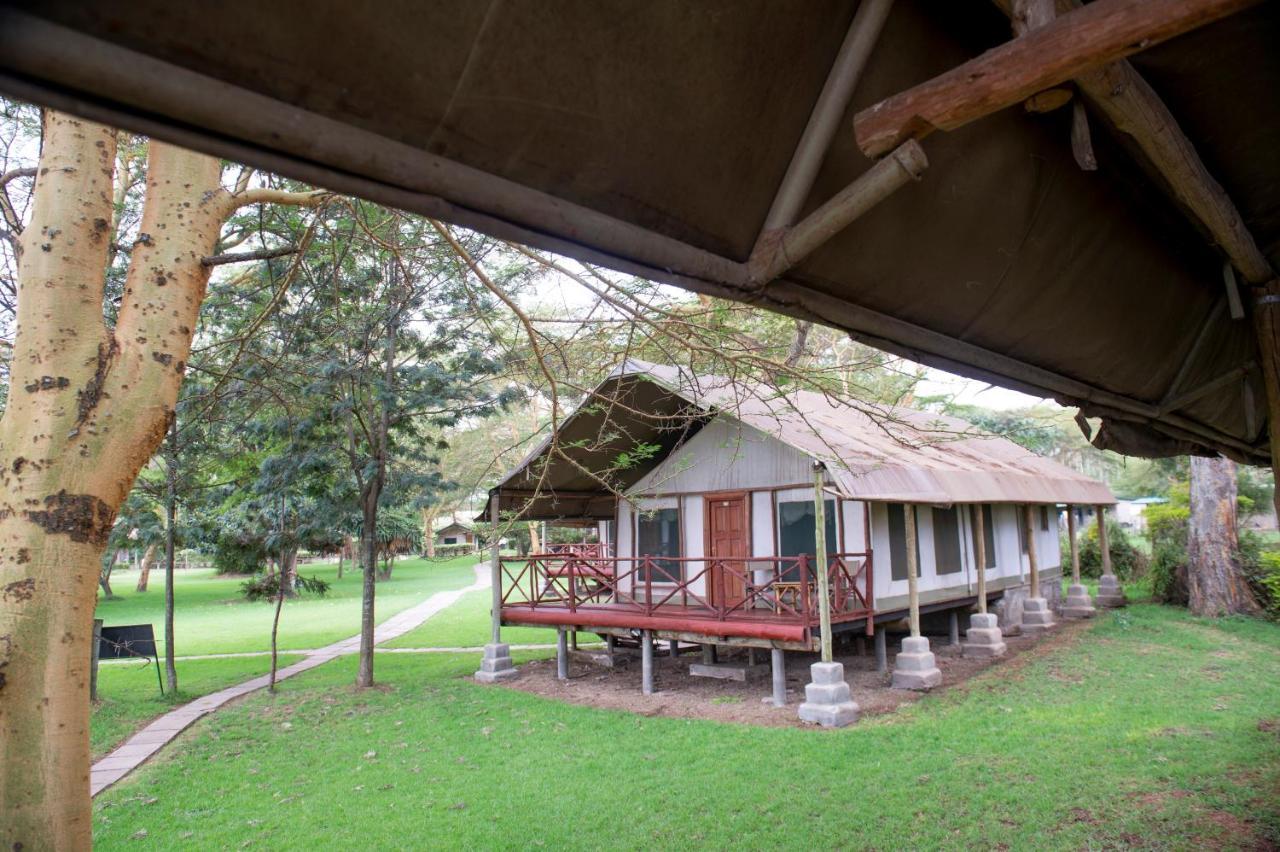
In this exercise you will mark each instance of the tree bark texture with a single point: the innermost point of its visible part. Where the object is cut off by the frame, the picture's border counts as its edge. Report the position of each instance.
(87, 407)
(144, 568)
(369, 564)
(1216, 585)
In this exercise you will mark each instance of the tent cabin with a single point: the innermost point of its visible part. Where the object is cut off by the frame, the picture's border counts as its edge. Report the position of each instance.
(708, 524)
(455, 534)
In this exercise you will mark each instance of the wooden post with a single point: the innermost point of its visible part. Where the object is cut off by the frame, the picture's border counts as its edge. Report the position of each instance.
(93, 660)
(779, 677)
(646, 662)
(820, 559)
(1266, 327)
(495, 571)
(562, 654)
(1032, 563)
(913, 593)
(980, 548)
(1071, 45)
(882, 652)
(1075, 548)
(1102, 540)
(953, 637)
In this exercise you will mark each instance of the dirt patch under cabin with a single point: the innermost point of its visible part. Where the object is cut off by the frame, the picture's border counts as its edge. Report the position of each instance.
(680, 695)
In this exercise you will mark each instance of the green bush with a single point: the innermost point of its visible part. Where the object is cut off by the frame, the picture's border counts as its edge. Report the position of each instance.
(1263, 571)
(1127, 561)
(1167, 530)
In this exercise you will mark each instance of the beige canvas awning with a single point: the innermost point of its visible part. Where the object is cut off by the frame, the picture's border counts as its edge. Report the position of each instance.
(653, 136)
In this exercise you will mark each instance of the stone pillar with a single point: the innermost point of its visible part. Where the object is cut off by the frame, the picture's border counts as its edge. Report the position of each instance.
(984, 638)
(779, 660)
(562, 654)
(828, 701)
(646, 662)
(496, 663)
(1078, 604)
(1110, 592)
(1036, 615)
(915, 666)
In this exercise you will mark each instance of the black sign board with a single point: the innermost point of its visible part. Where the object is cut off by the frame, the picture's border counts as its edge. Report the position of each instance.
(131, 640)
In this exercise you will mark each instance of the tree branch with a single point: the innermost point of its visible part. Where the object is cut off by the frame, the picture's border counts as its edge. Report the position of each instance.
(241, 257)
(266, 195)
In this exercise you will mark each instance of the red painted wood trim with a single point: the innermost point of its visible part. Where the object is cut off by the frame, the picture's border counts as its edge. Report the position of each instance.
(586, 619)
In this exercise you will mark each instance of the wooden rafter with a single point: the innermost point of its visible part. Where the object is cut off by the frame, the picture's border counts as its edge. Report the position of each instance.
(1072, 45)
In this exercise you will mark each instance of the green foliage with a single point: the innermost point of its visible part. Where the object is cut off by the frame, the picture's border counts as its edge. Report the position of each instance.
(1127, 561)
(1264, 577)
(267, 588)
(1167, 530)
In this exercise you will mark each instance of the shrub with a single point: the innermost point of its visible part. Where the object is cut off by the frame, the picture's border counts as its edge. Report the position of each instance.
(266, 588)
(1167, 529)
(1127, 561)
(1262, 567)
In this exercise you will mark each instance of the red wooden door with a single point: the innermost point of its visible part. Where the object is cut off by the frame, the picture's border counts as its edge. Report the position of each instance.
(728, 539)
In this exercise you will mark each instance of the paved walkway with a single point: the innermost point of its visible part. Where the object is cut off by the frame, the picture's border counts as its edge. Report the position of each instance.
(138, 748)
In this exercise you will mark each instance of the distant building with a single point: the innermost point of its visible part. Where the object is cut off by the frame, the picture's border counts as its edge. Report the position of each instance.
(1130, 514)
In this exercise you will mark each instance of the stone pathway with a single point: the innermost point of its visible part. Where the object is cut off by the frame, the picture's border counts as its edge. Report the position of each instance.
(138, 748)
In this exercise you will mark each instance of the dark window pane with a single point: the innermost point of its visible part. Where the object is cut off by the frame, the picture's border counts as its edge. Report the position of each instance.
(658, 534)
(988, 533)
(946, 541)
(1044, 518)
(897, 542)
(1021, 512)
(796, 533)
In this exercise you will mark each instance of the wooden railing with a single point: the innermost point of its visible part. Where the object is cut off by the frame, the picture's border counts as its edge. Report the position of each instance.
(783, 588)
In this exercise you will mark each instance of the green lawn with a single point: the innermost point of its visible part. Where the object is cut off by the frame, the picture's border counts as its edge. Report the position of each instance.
(466, 624)
(212, 617)
(129, 697)
(1154, 729)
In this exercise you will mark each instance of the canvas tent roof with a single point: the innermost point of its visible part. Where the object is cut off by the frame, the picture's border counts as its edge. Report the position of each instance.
(882, 454)
(653, 137)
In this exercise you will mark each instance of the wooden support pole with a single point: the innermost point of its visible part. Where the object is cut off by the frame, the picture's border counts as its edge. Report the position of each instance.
(1032, 562)
(1266, 327)
(774, 256)
(1102, 540)
(1071, 45)
(980, 546)
(913, 593)
(1133, 108)
(562, 654)
(1075, 545)
(820, 562)
(646, 662)
(495, 571)
(824, 121)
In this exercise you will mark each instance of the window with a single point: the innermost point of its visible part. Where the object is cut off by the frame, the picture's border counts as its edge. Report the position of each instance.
(946, 541)
(988, 533)
(1021, 512)
(796, 533)
(658, 535)
(898, 542)
(1044, 518)
(449, 539)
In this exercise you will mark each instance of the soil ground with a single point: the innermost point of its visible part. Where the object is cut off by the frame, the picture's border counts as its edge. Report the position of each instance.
(681, 695)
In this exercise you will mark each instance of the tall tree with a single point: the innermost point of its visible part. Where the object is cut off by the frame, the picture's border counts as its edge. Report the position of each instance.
(1216, 584)
(92, 391)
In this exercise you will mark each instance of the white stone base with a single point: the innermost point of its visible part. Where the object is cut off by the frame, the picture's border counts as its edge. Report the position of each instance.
(1078, 604)
(728, 671)
(496, 664)
(983, 638)
(915, 666)
(828, 701)
(1036, 616)
(1110, 592)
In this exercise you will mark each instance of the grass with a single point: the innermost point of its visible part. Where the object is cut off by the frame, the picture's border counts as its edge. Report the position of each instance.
(129, 697)
(466, 625)
(1153, 729)
(212, 617)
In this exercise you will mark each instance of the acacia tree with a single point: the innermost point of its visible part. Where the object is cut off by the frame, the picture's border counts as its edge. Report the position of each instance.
(1216, 584)
(92, 390)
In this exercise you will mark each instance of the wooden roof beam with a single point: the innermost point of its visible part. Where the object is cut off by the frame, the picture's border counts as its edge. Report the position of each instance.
(1120, 93)
(1074, 44)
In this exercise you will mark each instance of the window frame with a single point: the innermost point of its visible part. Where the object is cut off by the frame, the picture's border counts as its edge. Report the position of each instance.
(955, 542)
(672, 577)
(833, 524)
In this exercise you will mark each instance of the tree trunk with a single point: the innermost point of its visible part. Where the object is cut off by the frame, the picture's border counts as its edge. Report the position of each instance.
(104, 575)
(429, 532)
(535, 543)
(1215, 583)
(87, 408)
(144, 568)
(369, 560)
(170, 542)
